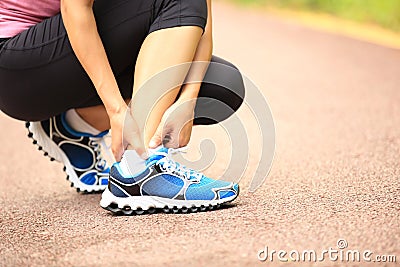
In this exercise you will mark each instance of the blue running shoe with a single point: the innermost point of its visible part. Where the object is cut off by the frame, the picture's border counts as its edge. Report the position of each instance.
(166, 185)
(80, 153)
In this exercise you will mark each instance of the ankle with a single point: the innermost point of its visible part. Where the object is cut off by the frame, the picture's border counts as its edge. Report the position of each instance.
(77, 123)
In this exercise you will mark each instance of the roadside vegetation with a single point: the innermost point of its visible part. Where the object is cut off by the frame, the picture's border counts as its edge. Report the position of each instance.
(385, 13)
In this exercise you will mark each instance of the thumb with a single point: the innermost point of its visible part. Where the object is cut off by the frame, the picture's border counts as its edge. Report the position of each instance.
(117, 148)
(157, 138)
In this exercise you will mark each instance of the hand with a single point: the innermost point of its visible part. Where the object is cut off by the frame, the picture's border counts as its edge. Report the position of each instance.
(175, 128)
(125, 134)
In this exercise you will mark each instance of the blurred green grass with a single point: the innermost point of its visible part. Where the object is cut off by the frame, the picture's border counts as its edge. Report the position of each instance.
(385, 13)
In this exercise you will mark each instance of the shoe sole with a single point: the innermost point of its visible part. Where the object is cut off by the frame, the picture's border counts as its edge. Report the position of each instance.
(55, 153)
(150, 204)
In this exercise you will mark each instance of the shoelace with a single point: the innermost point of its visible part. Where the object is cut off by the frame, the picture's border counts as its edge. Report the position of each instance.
(96, 144)
(167, 163)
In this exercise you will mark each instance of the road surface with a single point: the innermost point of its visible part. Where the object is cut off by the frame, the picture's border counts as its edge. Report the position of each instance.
(336, 174)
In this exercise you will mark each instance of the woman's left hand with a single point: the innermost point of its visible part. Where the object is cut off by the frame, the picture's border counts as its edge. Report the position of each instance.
(175, 128)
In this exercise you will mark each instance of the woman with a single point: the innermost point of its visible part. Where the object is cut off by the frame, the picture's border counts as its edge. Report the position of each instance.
(71, 67)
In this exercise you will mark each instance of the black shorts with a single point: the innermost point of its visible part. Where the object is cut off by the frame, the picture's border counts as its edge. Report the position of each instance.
(40, 75)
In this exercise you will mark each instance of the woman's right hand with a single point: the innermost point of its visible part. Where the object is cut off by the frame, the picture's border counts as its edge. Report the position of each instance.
(125, 134)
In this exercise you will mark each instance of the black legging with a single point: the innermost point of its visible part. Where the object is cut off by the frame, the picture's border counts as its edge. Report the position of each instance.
(41, 77)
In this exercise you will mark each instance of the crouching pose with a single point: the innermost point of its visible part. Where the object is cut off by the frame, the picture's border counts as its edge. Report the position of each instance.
(70, 67)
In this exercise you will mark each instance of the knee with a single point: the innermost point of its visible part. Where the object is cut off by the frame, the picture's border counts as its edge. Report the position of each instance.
(236, 87)
(222, 93)
(228, 82)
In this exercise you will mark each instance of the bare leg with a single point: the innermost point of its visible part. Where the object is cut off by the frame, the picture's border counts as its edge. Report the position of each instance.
(161, 50)
(96, 116)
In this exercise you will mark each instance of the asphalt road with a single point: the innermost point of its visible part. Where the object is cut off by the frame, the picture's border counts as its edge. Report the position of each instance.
(336, 175)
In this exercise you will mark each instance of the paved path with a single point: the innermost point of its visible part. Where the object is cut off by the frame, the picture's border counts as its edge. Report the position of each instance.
(336, 103)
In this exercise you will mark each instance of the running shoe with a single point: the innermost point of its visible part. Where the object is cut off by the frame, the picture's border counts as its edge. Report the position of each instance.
(165, 185)
(84, 164)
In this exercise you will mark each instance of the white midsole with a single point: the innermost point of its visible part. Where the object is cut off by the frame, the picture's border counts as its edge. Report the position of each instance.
(147, 202)
(56, 152)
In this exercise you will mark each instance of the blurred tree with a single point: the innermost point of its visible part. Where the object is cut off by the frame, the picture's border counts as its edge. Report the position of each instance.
(382, 12)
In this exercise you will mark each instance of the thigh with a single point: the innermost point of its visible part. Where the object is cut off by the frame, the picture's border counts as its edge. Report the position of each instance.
(39, 74)
(221, 94)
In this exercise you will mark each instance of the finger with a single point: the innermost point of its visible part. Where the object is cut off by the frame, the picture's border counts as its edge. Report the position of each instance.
(169, 141)
(132, 137)
(173, 138)
(185, 134)
(118, 155)
(179, 138)
(117, 145)
(134, 141)
(157, 138)
(117, 151)
(138, 145)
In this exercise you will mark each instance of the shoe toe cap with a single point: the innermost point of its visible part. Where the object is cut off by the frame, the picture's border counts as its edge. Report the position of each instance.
(231, 193)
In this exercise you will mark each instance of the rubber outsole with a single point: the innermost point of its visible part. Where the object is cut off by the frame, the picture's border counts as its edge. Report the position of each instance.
(53, 158)
(127, 210)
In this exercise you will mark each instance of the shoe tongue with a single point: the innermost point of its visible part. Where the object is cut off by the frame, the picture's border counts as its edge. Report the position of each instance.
(156, 154)
(161, 149)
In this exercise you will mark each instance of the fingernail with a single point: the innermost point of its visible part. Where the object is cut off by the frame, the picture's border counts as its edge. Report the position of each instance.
(152, 144)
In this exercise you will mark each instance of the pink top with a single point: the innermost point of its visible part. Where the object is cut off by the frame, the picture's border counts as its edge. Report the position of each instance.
(18, 15)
